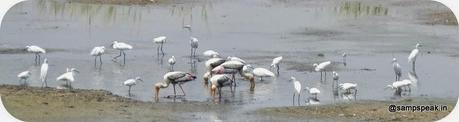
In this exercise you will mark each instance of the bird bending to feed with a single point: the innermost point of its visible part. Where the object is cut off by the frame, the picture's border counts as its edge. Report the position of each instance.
(219, 81)
(68, 77)
(171, 63)
(347, 87)
(232, 58)
(97, 52)
(36, 50)
(275, 64)
(131, 82)
(321, 68)
(228, 67)
(121, 46)
(399, 86)
(194, 46)
(175, 78)
(297, 86)
(247, 73)
(262, 72)
(44, 73)
(413, 55)
(23, 76)
(397, 69)
(211, 54)
(160, 41)
(313, 91)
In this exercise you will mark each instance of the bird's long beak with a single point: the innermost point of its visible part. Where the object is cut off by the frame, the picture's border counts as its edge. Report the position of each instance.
(77, 71)
(140, 80)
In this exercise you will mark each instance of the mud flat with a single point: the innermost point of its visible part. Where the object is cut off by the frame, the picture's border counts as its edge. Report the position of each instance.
(368, 110)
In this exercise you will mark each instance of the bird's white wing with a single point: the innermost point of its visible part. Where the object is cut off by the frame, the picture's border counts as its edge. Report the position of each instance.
(129, 82)
(66, 76)
(263, 72)
(413, 55)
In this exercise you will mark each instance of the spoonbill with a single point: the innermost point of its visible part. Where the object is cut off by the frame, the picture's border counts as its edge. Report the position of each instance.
(313, 91)
(232, 58)
(321, 68)
(97, 52)
(194, 46)
(347, 87)
(344, 58)
(23, 76)
(262, 72)
(276, 62)
(412, 57)
(399, 86)
(176, 77)
(297, 86)
(132, 82)
(160, 41)
(36, 50)
(68, 77)
(219, 81)
(44, 73)
(171, 63)
(121, 46)
(397, 69)
(211, 54)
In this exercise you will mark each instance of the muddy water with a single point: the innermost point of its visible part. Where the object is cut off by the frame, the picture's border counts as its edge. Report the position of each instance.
(371, 32)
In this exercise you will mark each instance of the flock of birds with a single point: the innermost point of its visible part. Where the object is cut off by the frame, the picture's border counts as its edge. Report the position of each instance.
(220, 72)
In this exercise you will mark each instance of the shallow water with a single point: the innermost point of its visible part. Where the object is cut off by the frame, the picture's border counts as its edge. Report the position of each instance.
(371, 32)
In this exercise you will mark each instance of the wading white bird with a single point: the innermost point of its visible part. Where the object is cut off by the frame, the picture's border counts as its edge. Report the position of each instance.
(175, 78)
(68, 77)
(347, 87)
(131, 82)
(211, 54)
(23, 76)
(219, 81)
(44, 73)
(276, 62)
(321, 68)
(262, 72)
(412, 57)
(313, 91)
(97, 52)
(121, 46)
(160, 42)
(232, 58)
(399, 86)
(36, 50)
(297, 86)
(397, 69)
(171, 63)
(194, 46)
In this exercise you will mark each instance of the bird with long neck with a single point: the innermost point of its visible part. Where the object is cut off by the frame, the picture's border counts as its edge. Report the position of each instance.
(413, 55)
(174, 78)
(68, 76)
(44, 73)
(297, 88)
(194, 46)
(217, 82)
(397, 69)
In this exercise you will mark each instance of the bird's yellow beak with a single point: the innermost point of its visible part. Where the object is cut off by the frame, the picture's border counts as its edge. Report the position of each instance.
(157, 92)
(213, 90)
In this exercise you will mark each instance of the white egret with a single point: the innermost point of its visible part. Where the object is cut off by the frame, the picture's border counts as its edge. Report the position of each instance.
(398, 86)
(276, 62)
(297, 86)
(397, 69)
(131, 82)
(23, 76)
(97, 52)
(211, 54)
(321, 68)
(219, 81)
(347, 87)
(194, 46)
(160, 41)
(44, 73)
(175, 78)
(313, 91)
(413, 55)
(171, 63)
(262, 72)
(121, 46)
(36, 50)
(68, 77)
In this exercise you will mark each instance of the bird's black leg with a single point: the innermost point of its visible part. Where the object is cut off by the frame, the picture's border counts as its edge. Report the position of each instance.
(321, 76)
(162, 49)
(175, 94)
(36, 56)
(39, 59)
(293, 100)
(220, 93)
(299, 99)
(100, 59)
(124, 57)
(180, 85)
(129, 91)
(95, 61)
(278, 67)
(117, 56)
